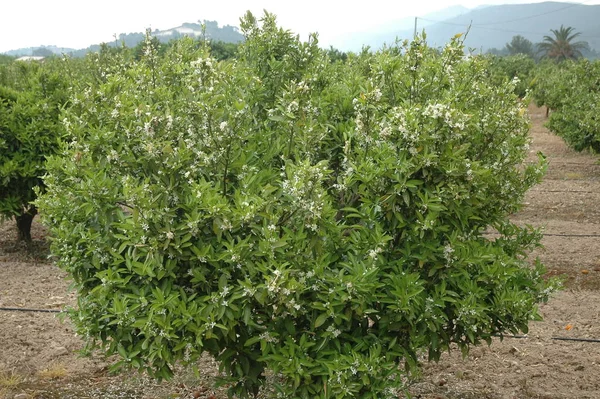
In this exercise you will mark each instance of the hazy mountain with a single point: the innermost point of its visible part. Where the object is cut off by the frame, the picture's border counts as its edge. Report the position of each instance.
(494, 26)
(491, 27)
(211, 30)
(227, 34)
(387, 32)
(40, 50)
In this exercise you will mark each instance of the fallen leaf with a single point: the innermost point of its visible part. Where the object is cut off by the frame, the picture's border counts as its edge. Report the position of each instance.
(585, 271)
(569, 327)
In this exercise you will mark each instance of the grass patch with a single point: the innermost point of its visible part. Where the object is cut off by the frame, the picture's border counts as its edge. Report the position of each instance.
(9, 379)
(53, 372)
(573, 176)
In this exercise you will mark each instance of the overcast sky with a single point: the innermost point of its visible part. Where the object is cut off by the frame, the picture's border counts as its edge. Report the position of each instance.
(79, 23)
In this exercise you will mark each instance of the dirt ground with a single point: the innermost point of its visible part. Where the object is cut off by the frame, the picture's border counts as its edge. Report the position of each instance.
(38, 352)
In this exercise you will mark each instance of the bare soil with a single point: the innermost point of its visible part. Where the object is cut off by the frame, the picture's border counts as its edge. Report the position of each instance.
(39, 358)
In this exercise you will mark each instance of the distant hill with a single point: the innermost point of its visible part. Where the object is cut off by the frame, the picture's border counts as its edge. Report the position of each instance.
(494, 26)
(491, 27)
(227, 34)
(39, 51)
(387, 32)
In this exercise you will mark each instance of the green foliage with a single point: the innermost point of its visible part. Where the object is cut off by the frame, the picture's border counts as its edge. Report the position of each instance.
(571, 90)
(6, 59)
(520, 45)
(223, 51)
(321, 221)
(159, 47)
(42, 52)
(550, 83)
(518, 67)
(576, 115)
(31, 96)
(336, 55)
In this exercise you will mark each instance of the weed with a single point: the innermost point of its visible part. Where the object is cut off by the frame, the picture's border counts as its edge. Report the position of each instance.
(54, 371)
(9, 379)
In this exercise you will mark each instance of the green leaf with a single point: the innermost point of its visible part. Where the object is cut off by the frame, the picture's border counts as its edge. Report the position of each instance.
(321, 320)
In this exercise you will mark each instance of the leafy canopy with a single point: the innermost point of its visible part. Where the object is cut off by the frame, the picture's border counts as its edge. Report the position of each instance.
(321, 221)
(520, 45)
(575, 116)
(31, 98)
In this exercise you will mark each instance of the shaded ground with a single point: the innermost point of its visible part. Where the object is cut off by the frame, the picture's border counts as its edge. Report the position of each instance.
(38, 357)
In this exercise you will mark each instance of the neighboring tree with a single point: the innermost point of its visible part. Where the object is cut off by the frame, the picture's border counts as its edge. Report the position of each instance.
(6, 59)
(29, 132)
(562, 47)
(336, 55)
(575, 119)
(551, 82)
(520, 45)
(223, 51)
(160, 47)
(519, 66)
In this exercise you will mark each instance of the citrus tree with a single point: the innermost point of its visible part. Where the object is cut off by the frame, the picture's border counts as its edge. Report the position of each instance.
(551, 83)
(31, 97)
(518, 67)
(321, 221)
(575, 118)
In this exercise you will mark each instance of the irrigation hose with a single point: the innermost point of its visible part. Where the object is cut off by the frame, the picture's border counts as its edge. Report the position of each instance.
(554, 338)
(576, 339)
(31, 310)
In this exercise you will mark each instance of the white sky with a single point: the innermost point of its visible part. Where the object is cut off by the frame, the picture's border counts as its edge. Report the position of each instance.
(80, 23)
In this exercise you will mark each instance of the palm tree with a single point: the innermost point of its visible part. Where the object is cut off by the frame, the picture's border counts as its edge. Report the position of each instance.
(561, 46)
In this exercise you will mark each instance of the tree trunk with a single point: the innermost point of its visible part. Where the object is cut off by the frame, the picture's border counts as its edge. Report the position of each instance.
(24, 221)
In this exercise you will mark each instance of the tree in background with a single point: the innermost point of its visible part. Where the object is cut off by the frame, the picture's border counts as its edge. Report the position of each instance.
(31, 97)
(6, 59)
(222, 50)
(518, 67)
(561, 47)
(138, 50)
(336, 55)
(499, 52)
(575, 89)
(520, 45)
(42, 52)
